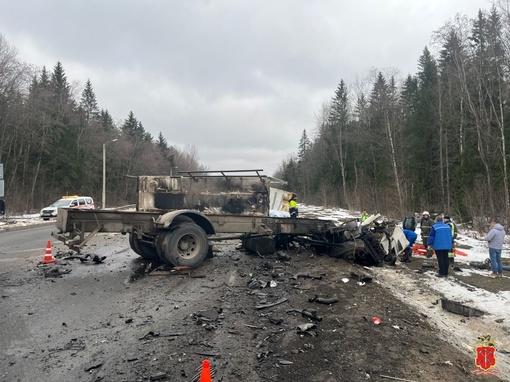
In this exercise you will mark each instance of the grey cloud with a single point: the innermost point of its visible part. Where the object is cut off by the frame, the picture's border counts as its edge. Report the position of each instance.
(235, 78)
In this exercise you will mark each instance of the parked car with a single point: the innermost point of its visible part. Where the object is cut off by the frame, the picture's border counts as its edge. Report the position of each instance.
(73, 201)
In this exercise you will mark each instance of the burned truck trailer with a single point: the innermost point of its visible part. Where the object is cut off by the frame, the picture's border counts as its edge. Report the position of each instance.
(177, 217)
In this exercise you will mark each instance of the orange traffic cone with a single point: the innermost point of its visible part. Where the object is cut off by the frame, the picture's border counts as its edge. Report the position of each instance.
(205, 375)
(48, 257)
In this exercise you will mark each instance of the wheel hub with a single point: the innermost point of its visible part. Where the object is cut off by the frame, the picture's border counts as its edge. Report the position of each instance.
(186, 245)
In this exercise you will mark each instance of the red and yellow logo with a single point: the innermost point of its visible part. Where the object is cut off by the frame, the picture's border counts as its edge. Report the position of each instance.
(485, 356)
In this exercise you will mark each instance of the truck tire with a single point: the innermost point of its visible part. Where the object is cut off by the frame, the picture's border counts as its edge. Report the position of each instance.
(186, 245)
(142, 249)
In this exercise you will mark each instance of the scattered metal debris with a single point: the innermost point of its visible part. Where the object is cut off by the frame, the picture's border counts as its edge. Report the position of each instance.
(256, 284)
(323, 300)
(275, 321)
(74, 345)
(459, 308)
(481, 264)
(157, 376)
(55, 272)
(158, 334)
(306, 328)
(269, 305)
(282, 256)
(396, 379)
(179, 270)
(264, 355)
(306, 276)
(93, 366)
(362, 277)
(87, 259)
(305, 313)
(207, 315)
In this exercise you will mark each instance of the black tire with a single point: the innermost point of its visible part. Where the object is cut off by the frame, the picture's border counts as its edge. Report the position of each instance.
(142, 249)
(186, 245)
(392, 259)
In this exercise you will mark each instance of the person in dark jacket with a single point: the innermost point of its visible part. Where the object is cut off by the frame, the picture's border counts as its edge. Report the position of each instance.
(496, 238)
(409, 222)
(425, 224)
(440, 240)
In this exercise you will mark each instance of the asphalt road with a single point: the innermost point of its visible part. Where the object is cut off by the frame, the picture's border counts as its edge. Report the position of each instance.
(26, 242)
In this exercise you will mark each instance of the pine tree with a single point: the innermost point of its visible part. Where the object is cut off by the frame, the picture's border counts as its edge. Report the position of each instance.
(424, 159)
(130, 126)
(88, 102)
(336, 136)
(161, 142)
(304, 146)
(106, 120)
(60, 86)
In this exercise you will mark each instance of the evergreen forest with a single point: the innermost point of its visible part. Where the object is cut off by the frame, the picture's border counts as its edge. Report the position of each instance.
(52, 137)
(436, 140)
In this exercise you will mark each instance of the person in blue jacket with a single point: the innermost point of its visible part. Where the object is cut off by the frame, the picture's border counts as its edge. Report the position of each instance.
(411, 238)
(440, 240)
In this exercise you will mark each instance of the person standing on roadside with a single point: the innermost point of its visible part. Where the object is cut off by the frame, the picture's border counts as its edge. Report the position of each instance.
(425, 225)
(440, 240)
(409, 221)
(453, 227)
(496, 238)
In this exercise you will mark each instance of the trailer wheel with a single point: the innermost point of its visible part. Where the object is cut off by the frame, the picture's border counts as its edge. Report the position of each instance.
(187, 245)
(142, 249)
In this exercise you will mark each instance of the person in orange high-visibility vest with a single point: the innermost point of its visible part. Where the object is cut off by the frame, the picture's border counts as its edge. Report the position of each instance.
(293, 208)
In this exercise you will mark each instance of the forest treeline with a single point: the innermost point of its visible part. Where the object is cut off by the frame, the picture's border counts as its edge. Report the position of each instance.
(52, 137)
(437, 140)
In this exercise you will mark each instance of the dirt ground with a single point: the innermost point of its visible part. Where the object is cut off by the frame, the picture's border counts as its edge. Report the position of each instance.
(126, 320)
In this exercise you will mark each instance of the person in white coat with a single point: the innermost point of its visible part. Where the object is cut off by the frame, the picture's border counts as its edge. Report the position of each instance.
(496, 238)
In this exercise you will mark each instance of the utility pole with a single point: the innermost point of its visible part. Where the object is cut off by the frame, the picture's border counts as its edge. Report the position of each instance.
(103, 199)
(2, 201)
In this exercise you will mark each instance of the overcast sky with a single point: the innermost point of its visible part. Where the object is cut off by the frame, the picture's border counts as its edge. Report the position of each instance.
(238, 79)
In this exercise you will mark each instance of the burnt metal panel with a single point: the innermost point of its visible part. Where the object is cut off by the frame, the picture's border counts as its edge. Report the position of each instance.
(236, 195)
(69, 220)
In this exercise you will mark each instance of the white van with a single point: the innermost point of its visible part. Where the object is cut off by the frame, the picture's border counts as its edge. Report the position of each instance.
(73, 201)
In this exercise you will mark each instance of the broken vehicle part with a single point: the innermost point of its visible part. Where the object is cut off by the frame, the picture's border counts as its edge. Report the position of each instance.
(269, 305)
(459, 308)
(323, 300)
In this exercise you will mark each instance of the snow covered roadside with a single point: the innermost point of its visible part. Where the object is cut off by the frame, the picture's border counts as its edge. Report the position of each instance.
(22, 220)
(424, 291)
